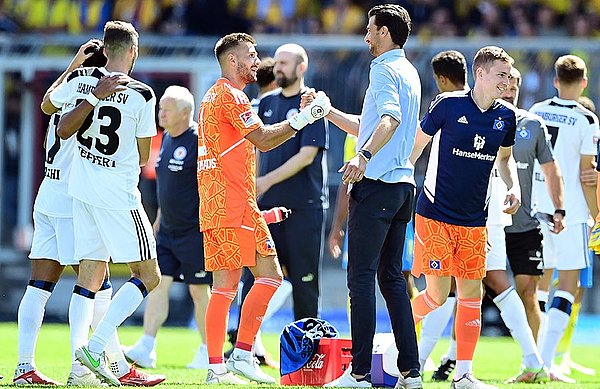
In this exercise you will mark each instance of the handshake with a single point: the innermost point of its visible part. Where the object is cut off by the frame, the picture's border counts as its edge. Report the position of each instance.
(317, 109)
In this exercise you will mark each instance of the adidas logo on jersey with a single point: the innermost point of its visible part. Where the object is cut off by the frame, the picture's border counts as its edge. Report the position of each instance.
(463, 120)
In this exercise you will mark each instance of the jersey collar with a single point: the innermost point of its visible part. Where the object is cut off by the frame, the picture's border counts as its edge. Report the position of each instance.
(388, 55)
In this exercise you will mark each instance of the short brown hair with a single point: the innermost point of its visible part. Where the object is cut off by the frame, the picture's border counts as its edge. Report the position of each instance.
(570, 69)
(486, 56)
(231, 41)
(395, 18)
(264, 74)
(119, 36)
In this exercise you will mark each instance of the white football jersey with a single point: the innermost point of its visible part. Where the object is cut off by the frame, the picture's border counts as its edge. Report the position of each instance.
(497, 191)
(53, 198)
(105, 171)
(572, 129)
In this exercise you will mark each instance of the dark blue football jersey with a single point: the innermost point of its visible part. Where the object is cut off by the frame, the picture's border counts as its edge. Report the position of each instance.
(464, 147)
(177, 184)
(308, 188)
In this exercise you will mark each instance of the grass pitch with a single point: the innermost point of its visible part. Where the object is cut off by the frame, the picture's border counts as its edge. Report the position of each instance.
(496, 359)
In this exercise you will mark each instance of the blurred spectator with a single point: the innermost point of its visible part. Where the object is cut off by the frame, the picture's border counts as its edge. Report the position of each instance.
(143, 14)
(549, 23)
(431, 18)
(343, 17)
(10, 183)
(88, 15)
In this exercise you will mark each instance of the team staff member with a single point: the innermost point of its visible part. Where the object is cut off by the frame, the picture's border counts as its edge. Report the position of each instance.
(471, 130)
(381, 198)
(235, 233)
(294, 175)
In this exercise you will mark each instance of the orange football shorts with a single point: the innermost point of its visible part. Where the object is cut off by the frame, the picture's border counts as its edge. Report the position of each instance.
(443, 249)
(230, 248)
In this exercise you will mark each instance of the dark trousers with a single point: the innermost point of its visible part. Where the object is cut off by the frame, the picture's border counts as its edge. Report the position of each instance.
(378, 215)
(299, 243)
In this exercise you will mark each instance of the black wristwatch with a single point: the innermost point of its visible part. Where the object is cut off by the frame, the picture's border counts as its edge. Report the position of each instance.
(366, 153)
(560, 212)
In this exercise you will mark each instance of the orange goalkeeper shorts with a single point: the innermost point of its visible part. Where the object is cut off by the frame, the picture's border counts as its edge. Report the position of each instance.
(230, 248)
(443, 249)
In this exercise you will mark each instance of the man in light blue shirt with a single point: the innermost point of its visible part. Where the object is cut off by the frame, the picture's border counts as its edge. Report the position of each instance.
(382, 195)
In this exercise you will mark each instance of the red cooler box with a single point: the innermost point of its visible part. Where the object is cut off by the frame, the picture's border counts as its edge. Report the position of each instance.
(329, 362)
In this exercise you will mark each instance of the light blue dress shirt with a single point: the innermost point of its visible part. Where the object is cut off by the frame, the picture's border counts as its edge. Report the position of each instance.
(394, 90)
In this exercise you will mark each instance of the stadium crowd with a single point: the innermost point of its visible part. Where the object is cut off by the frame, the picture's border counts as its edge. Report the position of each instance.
(523, 18)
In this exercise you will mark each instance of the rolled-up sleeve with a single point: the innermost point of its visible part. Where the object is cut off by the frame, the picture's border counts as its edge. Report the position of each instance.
(385, 89)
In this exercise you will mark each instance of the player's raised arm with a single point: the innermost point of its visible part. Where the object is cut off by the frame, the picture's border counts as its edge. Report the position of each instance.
(85, 51)
(347, 122)
(266, 138)
(71, 121)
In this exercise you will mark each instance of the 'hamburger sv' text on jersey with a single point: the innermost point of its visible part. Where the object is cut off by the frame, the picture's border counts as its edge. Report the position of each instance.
(105, 169)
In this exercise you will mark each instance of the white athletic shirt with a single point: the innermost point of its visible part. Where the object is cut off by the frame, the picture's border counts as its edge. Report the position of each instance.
(105, 171)
(53, 198)
(572, 128)
(497, 192)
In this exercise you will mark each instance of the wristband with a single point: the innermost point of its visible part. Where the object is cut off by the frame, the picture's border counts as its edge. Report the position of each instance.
(560, 212)
(366, 154)
(92, 99)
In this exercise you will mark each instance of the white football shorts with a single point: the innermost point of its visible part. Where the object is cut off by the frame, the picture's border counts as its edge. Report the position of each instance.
(124, 236)
(495, 259)
(53, 239)
(567, 250)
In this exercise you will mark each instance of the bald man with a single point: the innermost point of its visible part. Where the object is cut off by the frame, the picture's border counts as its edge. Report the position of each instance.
(293, 175)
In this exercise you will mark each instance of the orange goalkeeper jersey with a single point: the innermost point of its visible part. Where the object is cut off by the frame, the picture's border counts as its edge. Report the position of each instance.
(226, 159)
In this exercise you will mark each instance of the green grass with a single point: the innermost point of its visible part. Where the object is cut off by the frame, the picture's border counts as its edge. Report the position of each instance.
(496, 358)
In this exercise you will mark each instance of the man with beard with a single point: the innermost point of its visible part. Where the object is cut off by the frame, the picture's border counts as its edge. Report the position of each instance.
(294, 175)
(235, 232)
(112, 116)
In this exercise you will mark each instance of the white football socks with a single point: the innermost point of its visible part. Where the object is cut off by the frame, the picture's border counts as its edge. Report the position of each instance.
(513, 313)
(81, 312)
(118, 364)
(30, 317)
(451, 353)
(542, 297)
(555, 328)
(123, 304)
(433, 325)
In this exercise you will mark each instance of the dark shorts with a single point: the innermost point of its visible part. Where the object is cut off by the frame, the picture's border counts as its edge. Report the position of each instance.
(524, 252)
(182, 257)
